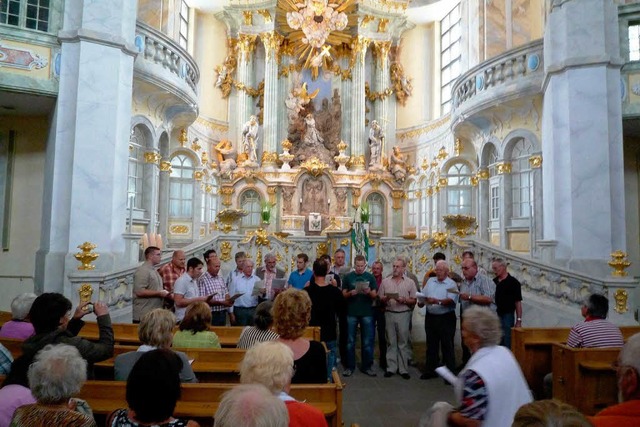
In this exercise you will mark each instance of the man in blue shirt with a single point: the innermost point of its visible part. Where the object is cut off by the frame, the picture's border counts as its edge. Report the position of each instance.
(301, 277)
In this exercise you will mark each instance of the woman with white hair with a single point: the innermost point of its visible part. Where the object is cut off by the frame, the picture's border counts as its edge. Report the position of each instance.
(491, 386)
(19, 327)
(271, 364)
(58, 372)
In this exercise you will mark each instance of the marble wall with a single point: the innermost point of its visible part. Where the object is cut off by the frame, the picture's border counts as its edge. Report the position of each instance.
(415, 54)
(210, 50)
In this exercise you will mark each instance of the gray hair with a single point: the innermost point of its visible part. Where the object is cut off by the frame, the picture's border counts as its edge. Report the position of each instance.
(250, 261)
(251, 405)
(21, 305)
(57, 373)
(500, 261)
(442, 262)
(402, 259)
(630, 353)
(270, 255)
(269, 363)
(483, 323)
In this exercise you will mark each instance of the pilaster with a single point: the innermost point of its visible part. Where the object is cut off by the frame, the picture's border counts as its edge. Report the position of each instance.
(358, 135)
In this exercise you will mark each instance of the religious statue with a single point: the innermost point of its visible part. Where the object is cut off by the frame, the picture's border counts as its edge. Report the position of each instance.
(314, 197)
(225, 75)
(250, 139)
(402, 86)
(312, 137)
(287, 196)
(376, 141)
(341, 197)
(224, 149)
(398, 165)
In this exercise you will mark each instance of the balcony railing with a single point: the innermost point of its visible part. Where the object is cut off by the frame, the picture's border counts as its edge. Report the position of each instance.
(495, 78)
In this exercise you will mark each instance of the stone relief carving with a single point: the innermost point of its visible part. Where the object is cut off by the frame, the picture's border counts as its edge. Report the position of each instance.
(314, 196)
(287, 196)
(341, 197)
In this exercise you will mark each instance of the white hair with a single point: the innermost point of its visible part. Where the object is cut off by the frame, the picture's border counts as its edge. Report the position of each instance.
(251, 405)
(57, 373)
(483, 323)
(269, 363)
(630, 353)
(21, 305)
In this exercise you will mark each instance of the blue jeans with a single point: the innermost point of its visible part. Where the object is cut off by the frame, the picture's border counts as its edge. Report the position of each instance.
(507, 321)
(366, 341)
(331, 357)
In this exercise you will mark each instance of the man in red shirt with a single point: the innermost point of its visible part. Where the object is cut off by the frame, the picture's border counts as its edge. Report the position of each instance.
(170, 273)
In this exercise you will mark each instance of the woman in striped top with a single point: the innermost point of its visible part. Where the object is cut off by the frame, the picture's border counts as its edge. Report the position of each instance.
(262, 320)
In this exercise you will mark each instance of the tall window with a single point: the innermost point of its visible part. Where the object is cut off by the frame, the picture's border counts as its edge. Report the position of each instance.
(521, 179)
(32, 14)
(450, 55)
(459, 189)
(376, 212)
(495, 202)
(424, 202)
(412, 205)
(250, 201)
(634, 41)
(135, 176)
(181, 187)
(183, 31)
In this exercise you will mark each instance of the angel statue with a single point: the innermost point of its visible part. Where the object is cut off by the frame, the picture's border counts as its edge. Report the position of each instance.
(250, 139)
(376, 140)
(398, 165)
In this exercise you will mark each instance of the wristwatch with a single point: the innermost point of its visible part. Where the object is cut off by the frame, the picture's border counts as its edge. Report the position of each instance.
(439, 302)
(519, 319)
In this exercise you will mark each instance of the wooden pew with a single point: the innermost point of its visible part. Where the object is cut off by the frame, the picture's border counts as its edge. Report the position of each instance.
(127, 333)
(584, 377)
(532, 347)
(5, 316)
(209, 365)
(200, 401)
(13, 345)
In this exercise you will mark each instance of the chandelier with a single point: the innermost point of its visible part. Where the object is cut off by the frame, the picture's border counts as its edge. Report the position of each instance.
(316, 19)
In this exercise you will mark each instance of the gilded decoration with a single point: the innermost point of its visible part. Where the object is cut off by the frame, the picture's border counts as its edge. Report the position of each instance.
(426, 129)
(87, 256)
(226, 195)
(344, 242)
(271, 191)
(418, 194)
(442, 154)
(442, 182)
(397, 196)
(474, 181)
(265, 14)
(381, 50)
(374, 178)
(457, 147)
(261, 235)
(359, 47)
(179, 229)
(204, 158)
(376, 96)
(152, 157)
(314, 166)
(425, 164)
(621, 296)
(246, 45)
(322, 249)
(195, 146)
(198, 175)
(439, 240)
(382, 25)
(483, 174)
(464, 225)
(224, 79)
(355, 195)
(619, 263)
(271, 41)
(503, 168)
(269, 157)
(229, 217)
(212, 126)
(247, 17)
(358, 161)
(424, 258)
(400, 83)
(535, 162)
(366, 20)
(409, 236)
(165, 166)
(84, 293)
(182, 139)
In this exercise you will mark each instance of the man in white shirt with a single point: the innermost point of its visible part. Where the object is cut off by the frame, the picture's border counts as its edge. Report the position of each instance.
(185, 289)
(237, 272)
(244, 307)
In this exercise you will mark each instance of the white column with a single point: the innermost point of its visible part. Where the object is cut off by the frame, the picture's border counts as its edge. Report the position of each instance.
(246, 46)
(85, 195)
(271, 41)
(358, 134)
(583, 178)
(382, 82)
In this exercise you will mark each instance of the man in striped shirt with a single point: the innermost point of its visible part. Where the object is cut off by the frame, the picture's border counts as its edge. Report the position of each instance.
(595, 331)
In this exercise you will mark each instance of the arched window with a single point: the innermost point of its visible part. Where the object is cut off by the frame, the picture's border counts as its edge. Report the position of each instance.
(412, 207)
(135, 175)
(376, 212)
(181, 187)
(459, 189)
(494, 187)
(433, 209)
(521, 179)
(424, 202)
(250, 201)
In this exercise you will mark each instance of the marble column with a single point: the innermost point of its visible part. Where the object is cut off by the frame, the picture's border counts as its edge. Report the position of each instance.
(582, 176)
(87, 149)
(271, 41)
(382, 83)
(345, 99)
(358, 131)
(246, 47)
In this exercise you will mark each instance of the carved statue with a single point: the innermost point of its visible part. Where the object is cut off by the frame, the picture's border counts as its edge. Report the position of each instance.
(398, 165)
(225, 75)
(250, 139)
(401, 84)
(341, 197)
(287, 196)
(224, 150)
(376, 141)
(312, 137)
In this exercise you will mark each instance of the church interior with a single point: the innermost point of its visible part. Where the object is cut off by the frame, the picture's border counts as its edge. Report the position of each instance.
(507, 128)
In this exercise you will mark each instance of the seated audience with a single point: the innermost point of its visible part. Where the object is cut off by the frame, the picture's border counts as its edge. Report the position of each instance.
(491, 387)
(155, 331)
(549, 413)
(627, 412)
(251, 405)
(291, 313)
(152, 397)
(271, 364)
(54, 323)
(56, 374)
(261, 331)
(19, 327)
(194, 329)
(6, 359)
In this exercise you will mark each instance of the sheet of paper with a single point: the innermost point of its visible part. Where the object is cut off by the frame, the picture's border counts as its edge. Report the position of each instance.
(445, 373)
(236, 296)
(258, 287)
(278, 283)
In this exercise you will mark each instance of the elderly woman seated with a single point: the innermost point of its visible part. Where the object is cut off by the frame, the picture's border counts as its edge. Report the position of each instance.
(155, 331)
(151, 397)
(57, 373)
(194, 329)
(271, 364)
(291, 313)
(19, 327)
(250, 405)
(491, 386)
(261, 331)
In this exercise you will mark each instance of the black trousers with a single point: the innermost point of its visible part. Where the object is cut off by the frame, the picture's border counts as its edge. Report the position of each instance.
(381, 324)
(440, 330)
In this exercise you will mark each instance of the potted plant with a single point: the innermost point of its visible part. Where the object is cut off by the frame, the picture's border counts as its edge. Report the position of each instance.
(364, 213)
(265, 213)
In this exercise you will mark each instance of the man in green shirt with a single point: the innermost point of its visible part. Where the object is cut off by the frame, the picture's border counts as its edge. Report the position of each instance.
(360, 289)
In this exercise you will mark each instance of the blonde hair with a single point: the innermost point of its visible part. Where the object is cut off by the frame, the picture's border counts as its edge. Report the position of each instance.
(549, 413)
(269, 363)
(291, 313)
(156, 328)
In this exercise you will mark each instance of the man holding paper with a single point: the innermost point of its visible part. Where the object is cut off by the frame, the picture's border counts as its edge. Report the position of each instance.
(398, 294)
(440, 295)
(245, 302)
(267, 274)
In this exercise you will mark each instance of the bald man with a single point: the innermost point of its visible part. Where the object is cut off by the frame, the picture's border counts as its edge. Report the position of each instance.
(170, 272)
